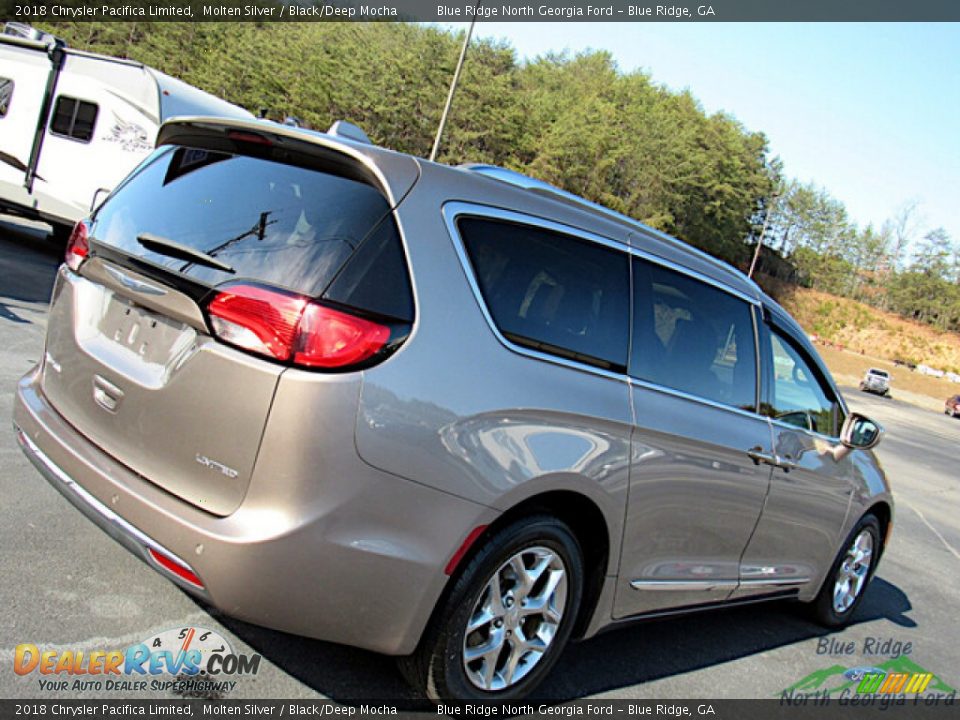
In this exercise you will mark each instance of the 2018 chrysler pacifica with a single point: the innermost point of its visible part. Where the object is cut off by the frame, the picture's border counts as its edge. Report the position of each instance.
(450, 414)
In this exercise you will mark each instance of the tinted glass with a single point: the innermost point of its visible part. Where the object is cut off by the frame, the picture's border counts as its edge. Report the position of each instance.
(6, 94)
(693, 337)
(278, 224)
(798, 397)
(550, 291)
(74, 118)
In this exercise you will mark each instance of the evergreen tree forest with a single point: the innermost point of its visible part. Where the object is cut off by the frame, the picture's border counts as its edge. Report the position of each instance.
(577, 121)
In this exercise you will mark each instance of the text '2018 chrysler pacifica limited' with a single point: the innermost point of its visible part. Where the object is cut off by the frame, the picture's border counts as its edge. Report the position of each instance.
(454, 415)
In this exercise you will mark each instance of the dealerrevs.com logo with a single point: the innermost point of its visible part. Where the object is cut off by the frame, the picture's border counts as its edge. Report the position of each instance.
(182, 660)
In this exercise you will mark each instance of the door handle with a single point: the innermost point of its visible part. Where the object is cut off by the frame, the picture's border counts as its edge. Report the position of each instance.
(759, 456)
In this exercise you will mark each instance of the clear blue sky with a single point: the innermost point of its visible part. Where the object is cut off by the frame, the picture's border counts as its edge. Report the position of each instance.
(870, 111)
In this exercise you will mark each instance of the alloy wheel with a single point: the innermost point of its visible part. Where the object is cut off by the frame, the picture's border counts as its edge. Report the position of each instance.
(853, 572)
(515, 619)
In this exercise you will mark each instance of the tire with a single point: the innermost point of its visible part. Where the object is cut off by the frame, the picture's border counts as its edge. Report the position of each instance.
(863, 388)
(439, 667)
(836, 612)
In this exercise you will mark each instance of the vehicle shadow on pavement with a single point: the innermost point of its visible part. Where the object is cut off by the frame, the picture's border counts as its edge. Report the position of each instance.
(654, 650)
(631, 655)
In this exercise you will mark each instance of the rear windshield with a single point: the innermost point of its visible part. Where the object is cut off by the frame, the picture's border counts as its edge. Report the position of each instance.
(279, 224)
(879, 373)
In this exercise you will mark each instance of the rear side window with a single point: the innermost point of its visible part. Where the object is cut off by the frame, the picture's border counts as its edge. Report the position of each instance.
(693, 337)
(6, 95)
(74, 118)
(552, 292)
(313, 232)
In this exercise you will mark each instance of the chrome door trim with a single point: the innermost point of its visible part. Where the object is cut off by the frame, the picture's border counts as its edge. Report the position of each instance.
(455, 208)
(708, 585)
(695, 398)
(684, 585)
(773, 582)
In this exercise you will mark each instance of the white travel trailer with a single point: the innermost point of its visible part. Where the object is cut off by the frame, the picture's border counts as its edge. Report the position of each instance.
(73, 124)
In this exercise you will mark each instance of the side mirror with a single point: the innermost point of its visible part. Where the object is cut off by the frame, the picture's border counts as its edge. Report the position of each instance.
(861, 432)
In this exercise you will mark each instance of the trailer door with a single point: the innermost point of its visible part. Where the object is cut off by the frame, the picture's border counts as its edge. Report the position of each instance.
(103, 123)
(23, 77)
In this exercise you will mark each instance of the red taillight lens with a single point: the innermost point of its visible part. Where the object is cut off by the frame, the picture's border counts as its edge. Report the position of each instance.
(77, 246)
(290, 327)
(332, 339)
(257, 319)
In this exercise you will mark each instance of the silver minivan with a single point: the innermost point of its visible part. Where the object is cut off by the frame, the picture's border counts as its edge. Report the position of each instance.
(454, 415)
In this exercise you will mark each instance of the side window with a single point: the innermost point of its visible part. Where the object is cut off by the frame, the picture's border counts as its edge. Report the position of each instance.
(6, 94)
(693, 337)
(552, 292)
(73, 118)
(797, 396)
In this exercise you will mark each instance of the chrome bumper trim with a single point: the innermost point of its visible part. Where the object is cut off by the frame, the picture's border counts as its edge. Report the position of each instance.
(107, 519)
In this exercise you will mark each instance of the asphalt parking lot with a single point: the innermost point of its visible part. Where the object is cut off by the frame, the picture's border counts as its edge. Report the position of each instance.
(67, 585)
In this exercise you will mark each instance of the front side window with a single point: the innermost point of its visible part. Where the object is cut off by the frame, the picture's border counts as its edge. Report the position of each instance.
(6, 95)
(692, 337)
(552, 292)
(797, 396)
(74, 118)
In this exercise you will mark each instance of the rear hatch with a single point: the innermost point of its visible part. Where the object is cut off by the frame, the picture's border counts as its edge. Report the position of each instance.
(132, 361)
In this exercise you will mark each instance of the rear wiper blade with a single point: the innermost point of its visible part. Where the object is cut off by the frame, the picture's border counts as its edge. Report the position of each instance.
(171, 248)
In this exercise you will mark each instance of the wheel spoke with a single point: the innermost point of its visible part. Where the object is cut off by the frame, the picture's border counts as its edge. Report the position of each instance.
(523, 578)
(510, 669)
(537, 570)
(489, 670)
(480, 619)
(495, 601)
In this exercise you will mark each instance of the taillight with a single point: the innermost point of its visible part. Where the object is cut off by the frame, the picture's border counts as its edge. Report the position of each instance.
(291, 328)
(77, 246)
(330, 339)
(257, 319)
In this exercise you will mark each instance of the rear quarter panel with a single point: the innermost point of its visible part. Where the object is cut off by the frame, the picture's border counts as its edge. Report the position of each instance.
(456, 410)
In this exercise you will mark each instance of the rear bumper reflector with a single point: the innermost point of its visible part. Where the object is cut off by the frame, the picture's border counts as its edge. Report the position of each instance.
(176, 568)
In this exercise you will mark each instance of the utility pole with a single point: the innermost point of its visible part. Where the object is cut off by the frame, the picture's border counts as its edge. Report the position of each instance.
(763, 231)
(453, 87)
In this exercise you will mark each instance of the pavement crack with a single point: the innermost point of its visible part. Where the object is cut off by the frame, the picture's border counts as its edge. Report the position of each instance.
(936, 532)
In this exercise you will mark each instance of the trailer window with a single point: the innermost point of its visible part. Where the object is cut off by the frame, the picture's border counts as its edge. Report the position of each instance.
(6, 93)
(74, 118)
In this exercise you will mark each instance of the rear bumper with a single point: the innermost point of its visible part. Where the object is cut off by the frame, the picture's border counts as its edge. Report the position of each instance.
(364, 568)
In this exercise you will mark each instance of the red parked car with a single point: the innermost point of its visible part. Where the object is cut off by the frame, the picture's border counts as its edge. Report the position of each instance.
(952, 406)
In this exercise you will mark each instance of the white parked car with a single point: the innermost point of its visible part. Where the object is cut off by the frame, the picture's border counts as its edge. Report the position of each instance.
(876, 381)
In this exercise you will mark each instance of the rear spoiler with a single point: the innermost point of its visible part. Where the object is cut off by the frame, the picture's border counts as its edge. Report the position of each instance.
(392, 173)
